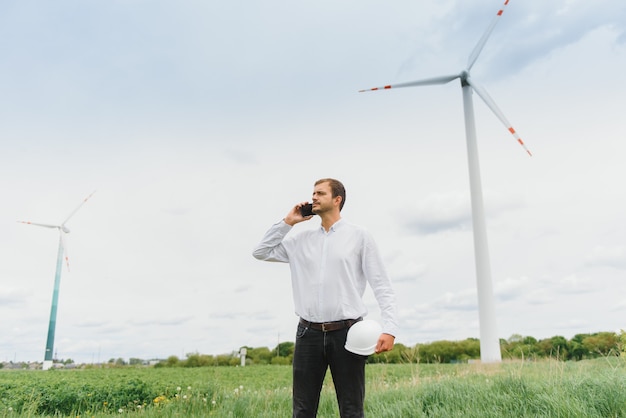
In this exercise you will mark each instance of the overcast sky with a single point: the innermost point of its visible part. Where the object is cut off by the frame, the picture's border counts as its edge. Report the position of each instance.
(200, 123)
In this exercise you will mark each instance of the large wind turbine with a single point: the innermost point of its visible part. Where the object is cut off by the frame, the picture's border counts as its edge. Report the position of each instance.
(489, 341)
(47, 363)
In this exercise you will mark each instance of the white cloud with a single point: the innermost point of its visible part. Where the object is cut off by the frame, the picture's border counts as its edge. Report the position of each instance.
(510, 288)
(608, 256)
(435, 213)
(406, 270)
(10, 296)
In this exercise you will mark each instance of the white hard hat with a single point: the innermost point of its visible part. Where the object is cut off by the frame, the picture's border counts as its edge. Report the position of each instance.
(363, 337)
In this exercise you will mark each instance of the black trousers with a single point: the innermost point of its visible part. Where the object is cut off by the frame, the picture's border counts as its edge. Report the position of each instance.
(315, 352)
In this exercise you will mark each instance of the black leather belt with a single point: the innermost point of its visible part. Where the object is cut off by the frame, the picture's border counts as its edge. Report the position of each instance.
(330, 326)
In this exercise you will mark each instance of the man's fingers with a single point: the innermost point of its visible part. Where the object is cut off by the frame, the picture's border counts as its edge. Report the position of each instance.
(384, 343)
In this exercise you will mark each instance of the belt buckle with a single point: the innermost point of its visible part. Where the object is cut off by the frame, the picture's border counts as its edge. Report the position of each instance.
(324, 327)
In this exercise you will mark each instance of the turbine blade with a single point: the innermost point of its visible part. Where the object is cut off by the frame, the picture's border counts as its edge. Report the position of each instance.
(36, 224)
(483, 40)
(78, 207)
(65, 253)
(494, 108)
(426, 82)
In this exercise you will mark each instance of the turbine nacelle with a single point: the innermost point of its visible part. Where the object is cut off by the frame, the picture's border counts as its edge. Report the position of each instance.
(464, 76)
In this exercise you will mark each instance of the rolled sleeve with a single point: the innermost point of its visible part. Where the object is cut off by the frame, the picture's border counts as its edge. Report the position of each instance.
(270, 248)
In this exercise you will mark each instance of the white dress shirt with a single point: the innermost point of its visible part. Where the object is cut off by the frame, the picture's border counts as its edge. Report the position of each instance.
(329, 271)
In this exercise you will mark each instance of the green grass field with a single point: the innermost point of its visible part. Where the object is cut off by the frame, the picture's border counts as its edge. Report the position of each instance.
(550, 388)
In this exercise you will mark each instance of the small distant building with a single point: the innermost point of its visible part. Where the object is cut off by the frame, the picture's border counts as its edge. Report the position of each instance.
(243, 351)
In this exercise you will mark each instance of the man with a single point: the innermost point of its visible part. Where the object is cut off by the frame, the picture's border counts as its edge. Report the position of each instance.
(330, 267)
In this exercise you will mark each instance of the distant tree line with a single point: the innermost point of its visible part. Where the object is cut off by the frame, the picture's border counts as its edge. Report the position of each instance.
(580, 347)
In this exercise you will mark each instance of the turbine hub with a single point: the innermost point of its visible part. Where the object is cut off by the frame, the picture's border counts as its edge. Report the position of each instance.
(463, 76)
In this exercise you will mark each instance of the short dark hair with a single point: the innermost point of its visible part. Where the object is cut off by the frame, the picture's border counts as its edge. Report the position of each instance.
(337, 189)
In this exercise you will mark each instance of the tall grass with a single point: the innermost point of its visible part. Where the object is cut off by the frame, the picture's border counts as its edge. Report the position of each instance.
(594, 388)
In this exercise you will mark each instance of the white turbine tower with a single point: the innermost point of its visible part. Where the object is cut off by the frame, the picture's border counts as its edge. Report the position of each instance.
(47, 363)
(489, 341)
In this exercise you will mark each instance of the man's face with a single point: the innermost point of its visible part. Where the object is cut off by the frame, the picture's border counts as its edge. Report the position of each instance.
(323, 198)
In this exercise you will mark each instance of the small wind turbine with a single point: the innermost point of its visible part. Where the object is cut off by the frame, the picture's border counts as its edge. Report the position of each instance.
(489, 341)
(47, 363)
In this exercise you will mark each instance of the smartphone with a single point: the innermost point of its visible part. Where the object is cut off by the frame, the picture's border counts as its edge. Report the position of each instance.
(307, 210)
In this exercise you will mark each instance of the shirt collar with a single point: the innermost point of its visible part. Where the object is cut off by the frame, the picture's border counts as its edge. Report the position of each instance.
(334, 226)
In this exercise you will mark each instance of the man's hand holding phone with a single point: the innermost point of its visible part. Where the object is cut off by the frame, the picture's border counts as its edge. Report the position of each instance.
(301, 212)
